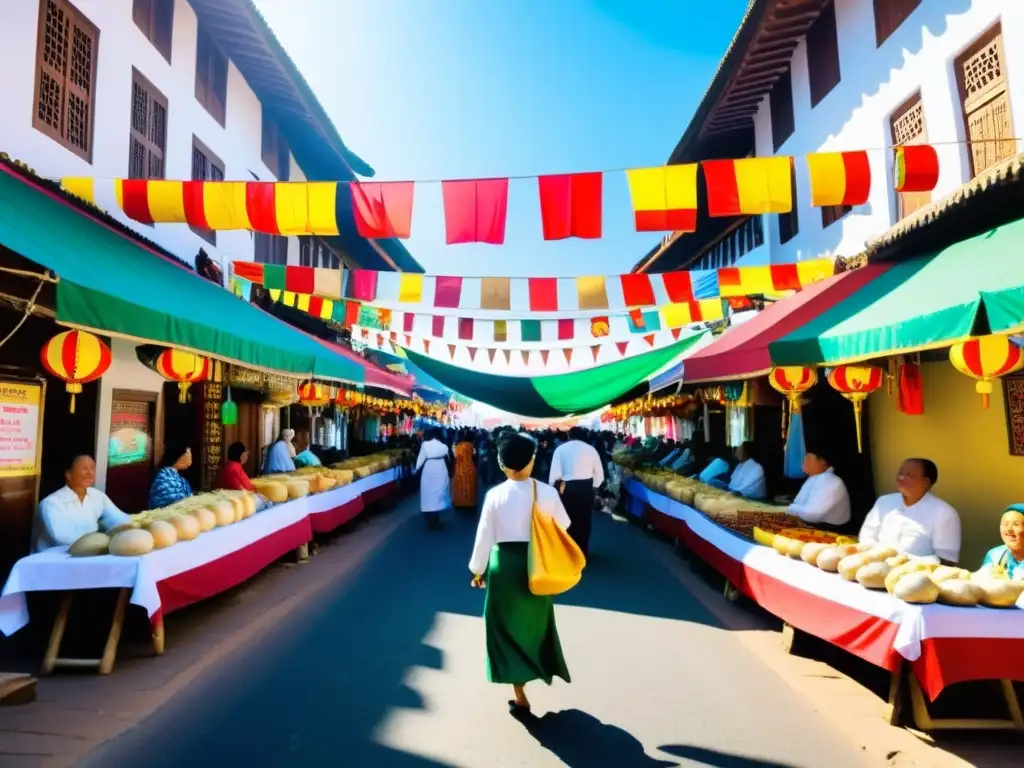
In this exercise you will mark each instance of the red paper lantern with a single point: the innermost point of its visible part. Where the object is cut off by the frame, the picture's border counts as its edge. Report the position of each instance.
(186, 368)
(986, 358)
(313, 395)
(792, 381)
(855, 383)
(76, 358)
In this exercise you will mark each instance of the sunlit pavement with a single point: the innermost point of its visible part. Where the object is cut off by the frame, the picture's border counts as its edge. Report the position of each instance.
(387, 669)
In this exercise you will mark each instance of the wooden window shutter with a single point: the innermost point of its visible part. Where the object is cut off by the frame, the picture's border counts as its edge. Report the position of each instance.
(981, 77)
(830, 214)
(781, 104)
(908, 127)
(205, 167)
(148, 137)
(889, 15)
(823, 54)
(789, 223)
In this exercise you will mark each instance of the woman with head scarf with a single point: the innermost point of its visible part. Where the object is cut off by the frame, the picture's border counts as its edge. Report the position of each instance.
(435, 484)
(169, 486)
(1010, 555)
(522, 639)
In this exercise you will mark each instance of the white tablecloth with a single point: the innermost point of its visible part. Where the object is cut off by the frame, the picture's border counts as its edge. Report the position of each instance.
(916, 622)
(329, 500)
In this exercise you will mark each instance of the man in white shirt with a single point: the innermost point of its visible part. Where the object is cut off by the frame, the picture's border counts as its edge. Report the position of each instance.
(76, 509)
(748, 477)
(576, 472)
(914, 520)
(823, 497)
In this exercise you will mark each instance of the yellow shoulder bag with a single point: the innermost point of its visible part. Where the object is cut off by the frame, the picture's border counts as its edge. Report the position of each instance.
(555, 561)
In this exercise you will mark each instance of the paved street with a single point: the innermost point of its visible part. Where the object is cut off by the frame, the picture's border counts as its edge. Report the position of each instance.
(387, 669)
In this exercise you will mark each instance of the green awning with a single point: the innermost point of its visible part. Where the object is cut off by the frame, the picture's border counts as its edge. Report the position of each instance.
(559, 394)
(114, 286)
(971, 288)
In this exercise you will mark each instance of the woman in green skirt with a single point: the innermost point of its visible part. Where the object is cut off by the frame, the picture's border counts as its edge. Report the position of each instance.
(522, 640)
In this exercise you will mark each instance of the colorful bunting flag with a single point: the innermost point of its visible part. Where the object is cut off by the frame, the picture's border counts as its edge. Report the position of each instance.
(566, 329)
(496, 293)
(447, 292)
(591, 292)
(530, 330)
(466, 328)
(595, 351)
(599, 326)
(491, 351)
(750, 186)
(570, 205)
(437, 326)
(475, 210)
(665, 198)
(500, 330)
(508, 356)
(472, 354)
(567, 351)
(382, 209)
(621, 346)
(649, 338)
(544, 353)
(543, 294)
(839, 178)
(917, 168)
(410, 288)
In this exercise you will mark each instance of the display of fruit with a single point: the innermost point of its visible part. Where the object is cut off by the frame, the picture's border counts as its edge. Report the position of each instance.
(90, 545)
(960, 592)
(132, 543)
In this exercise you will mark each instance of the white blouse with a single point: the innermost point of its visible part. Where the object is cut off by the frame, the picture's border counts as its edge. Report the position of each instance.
(507, 514)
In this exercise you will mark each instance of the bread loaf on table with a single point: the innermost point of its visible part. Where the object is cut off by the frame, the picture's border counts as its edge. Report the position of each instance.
(959, 592)
(916, 587)
(872, 575)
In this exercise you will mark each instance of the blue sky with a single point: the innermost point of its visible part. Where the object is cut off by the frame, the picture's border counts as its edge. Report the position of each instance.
(440, 89)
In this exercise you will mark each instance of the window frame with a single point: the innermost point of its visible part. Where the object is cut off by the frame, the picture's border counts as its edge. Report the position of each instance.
(206, 76)
(823, 47)
(830, 214)
(154, 18)
(792, 218)
(274, 149)
(903, 198)
(992, 35)
(213, 161)
(891, 17)
(75, 17)
(270, 249)
(155, 95)
(776, 114)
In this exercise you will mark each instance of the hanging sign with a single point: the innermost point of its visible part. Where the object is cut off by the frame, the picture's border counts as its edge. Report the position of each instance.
(19, 428)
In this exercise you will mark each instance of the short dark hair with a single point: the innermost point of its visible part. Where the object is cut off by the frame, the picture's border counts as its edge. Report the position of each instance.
(73, 456)
(749, 449)
(822, 452)
(173, 452)
(577, 433)
(235, 451)
(515, 451)
(928, 469)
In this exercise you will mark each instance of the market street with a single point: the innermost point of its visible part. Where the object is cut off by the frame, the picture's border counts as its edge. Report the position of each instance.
(387, 669)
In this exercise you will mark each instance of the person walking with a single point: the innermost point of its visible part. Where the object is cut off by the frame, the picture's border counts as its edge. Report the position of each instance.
(464, 482)
(522, 638)
(434, 482)
(577, 472)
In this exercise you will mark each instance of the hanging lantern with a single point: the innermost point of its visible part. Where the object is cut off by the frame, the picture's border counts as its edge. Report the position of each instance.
(986, 358)
(792, 381)
(76, 358)
(186, 368)
(855, 383)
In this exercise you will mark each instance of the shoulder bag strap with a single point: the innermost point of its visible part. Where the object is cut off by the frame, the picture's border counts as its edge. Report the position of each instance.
(1004, 558)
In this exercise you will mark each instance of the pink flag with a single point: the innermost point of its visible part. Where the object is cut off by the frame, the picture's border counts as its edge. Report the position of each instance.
(364, 284)
(382, 209)
(475, 210)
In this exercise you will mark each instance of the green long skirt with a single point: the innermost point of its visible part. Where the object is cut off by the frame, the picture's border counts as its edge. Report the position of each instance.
(522, 640)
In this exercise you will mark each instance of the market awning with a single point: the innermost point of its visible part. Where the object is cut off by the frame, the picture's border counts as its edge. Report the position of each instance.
(971, 288)
(115, 286)
(742, 351)
(375, 375)
(556, 395)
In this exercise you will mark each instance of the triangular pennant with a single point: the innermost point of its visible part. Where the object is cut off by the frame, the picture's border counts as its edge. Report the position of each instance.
(472, 354)
(508, 356)
(649, 338)
(676, 332)
(451, 350)
(568, 355)
(365, 332)
(525, 354)
(596, 350)
(394, 335)
(490, 354)
(426, 346)
(544, 356)
(408, 340)
(380, 339)
(622, 347)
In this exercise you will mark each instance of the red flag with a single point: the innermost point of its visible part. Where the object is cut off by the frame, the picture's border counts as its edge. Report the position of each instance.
(595, 350)
(543, 293)
(490, 354)
(475, 210)
(544, 356)
(622, 347)
(917, 168)
(676, 332)
(382, 209)
(407, 321)
(636, 316)
(637, 290)
(408, 340)
(437, 326)
(472, 354)
(566, 329)
(451, 350)
(570, 205)
(649, 338)
(568, 355)
(351, 314)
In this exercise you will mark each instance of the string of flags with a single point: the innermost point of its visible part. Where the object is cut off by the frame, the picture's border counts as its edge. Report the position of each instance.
(663, 198)
(531, 295)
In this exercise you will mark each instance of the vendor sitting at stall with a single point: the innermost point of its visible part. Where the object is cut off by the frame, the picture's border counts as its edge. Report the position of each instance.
(168, 485)
(823, 498)
(748, 477)
(75, 509)
(717, 469)
(305, 456)
(281, 455)
(232, 476)
(914, 521)
(1010, 554)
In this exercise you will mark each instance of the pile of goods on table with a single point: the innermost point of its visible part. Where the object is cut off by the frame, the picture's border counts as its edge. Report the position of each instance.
(919, 580)
(364, 466)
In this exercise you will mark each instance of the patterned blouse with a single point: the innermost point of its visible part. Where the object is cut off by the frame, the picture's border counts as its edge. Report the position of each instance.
(168, 487)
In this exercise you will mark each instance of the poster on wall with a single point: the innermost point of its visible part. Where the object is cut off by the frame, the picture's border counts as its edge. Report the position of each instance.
(19, 428)
(129, 434)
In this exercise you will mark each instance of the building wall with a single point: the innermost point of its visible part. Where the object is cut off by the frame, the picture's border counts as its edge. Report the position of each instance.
(123, 46)
(875, 82)
(977, 475)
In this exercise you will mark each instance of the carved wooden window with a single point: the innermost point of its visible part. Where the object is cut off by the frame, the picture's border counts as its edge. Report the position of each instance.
(275, 149)
(889, 15)
(907, 126)
(65, 95)
(271, 249)
(206, 166)
(156, 20)
(211, 77)
(981, 76)
(780, 101)
(823, 54)
(147, 141)
(789, 223)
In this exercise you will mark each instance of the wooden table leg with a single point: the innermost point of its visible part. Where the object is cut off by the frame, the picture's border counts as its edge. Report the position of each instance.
(158, 636)
(57, 633)
(895, 703)
(114, 636)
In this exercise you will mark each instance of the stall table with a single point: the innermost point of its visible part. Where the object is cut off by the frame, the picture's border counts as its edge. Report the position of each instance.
(940, 644)
(332, 509)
